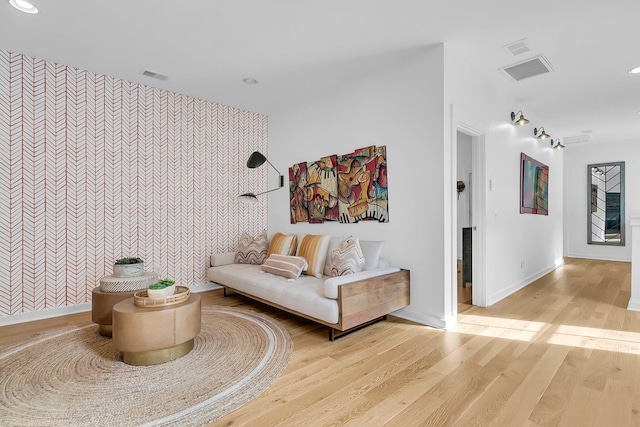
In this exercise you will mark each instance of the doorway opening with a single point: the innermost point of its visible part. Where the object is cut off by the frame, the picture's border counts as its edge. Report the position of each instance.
(468, 216)
(465, 190)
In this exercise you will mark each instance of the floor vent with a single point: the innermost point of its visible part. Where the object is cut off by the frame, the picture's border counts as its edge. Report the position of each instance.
(517, 48)
(154, 75)
(529, 68)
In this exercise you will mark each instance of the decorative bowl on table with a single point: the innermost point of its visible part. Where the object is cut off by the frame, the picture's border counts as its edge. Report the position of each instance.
(164, 292)
(128, 267)
(163, 288)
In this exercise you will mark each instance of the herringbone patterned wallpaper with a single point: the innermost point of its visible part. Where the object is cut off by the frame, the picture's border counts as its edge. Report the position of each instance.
(94, 168)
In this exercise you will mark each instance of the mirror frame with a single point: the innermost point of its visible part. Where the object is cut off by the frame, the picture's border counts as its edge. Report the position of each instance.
(622, 202)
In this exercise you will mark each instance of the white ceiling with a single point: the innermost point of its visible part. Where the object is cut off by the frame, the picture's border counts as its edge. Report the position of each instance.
(298, 48)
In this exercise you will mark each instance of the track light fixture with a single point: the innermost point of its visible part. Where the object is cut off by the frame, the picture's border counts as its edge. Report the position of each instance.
(543, 134)
(556, 144)
(521, 120)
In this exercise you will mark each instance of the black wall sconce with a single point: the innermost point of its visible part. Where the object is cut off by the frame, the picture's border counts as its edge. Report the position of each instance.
(543, 134)
(257, 159)
(556, 144)
(521, 120)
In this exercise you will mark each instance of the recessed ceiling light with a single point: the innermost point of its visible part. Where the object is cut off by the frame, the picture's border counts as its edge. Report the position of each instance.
(250, 81)
(635, 70)
(23, 6)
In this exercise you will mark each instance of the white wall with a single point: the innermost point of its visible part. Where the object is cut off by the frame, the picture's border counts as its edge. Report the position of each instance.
(519, 247)
(400, 104)
(412, 103)
(576, 159)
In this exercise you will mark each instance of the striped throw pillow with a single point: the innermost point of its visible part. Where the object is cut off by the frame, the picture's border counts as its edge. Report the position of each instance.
(282, 244)
(283, 265)
(252, 250)
(313, 248)
(348, 258)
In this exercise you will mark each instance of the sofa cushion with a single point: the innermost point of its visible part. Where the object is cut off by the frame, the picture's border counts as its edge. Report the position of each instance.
(282, 244)
(252, 250)
(305, 295)
(313, 248)
(371, 249)
(223, 258)
(347, 258)
(283, 265)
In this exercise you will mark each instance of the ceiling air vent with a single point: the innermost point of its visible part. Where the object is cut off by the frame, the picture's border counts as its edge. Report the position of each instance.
(529, 68)
(576, 139)
(517, 48)
(154, 75)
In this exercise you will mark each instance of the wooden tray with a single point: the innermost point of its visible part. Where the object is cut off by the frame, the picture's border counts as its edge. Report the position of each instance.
(141, 299)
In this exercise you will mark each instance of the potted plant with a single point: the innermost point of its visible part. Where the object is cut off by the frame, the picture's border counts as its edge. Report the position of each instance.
(128, 267)
(164, 288)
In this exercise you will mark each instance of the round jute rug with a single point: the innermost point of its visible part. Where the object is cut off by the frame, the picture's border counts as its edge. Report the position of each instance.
(74, 377)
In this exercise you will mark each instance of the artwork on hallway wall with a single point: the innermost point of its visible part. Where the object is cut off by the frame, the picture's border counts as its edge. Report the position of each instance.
(534, 186)
(349, 188)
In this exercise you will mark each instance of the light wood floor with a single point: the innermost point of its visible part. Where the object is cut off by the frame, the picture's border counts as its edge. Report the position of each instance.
(564, 351)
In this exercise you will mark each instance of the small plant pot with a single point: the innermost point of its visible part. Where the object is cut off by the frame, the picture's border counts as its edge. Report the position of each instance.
(164, 292)
(128, 270)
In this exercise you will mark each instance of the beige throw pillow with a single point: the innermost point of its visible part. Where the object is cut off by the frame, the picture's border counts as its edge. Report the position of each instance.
(313, 248)
(282, 244)
(283, 265)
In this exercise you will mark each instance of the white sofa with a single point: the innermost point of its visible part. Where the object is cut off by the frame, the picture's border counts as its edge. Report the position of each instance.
(343, 303)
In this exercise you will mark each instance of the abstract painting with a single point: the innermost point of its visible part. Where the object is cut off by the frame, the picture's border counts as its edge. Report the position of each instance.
(362, 185)
(349, 188)
(297, 193)
(534, 186)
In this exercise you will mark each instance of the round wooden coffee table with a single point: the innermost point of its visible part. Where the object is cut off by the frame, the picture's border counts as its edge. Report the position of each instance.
(152, 335)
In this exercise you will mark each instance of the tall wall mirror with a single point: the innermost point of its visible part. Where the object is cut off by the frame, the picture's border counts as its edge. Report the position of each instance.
(605, 223)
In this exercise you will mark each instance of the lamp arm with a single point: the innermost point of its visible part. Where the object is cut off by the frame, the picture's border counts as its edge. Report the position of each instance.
(276, 169)
(269, 191)
(281, 176)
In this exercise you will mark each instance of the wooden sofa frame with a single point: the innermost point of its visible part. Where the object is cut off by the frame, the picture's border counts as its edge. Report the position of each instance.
(360, 303)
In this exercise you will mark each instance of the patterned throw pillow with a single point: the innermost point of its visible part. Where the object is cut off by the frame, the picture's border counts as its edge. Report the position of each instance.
(283, 265)
(313, 248)
(282, 244)
(334, 242)
(252, 250)
(348, 258)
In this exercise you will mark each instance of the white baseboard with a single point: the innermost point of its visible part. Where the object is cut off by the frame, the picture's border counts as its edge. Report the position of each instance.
(634, 306)
(421, 318)
(492, 299)
(203, 287)
(44, 314)
(603, 258)
(72, 309)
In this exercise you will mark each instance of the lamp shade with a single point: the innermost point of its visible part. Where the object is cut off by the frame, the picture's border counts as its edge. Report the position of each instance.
(256, 159)
(248, 198)
(543, 134)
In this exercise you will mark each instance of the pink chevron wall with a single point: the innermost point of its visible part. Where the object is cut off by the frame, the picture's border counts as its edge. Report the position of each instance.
(94, 168)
